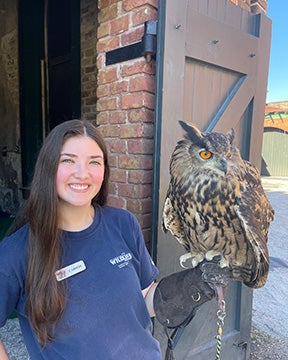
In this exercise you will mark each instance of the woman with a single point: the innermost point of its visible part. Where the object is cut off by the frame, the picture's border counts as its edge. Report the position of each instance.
(78, 272)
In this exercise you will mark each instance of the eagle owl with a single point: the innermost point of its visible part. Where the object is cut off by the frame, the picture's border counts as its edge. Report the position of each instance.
(216, 206)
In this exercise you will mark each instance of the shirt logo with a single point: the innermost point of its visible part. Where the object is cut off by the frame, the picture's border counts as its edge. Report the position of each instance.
(121, 260)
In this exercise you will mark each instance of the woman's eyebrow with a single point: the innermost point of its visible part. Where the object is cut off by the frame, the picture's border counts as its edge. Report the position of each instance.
(68, 154)
(74, 155)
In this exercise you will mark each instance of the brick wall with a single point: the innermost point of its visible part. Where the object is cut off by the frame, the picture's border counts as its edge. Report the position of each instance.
(255, 6)
(125, 105)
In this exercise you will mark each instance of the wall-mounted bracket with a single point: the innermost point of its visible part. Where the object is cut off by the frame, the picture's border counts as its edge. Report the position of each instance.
(146, 47)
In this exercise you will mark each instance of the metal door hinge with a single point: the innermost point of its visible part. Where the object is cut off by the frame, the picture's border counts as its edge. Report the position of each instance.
(146, 47)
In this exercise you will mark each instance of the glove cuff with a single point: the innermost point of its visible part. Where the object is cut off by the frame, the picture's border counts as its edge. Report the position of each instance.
(178, 296)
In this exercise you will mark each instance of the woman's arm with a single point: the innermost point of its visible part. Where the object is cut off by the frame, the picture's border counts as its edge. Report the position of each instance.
(148, 295)
(3, 353)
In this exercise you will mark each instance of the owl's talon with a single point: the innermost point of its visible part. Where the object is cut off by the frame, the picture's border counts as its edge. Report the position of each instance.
(195, 260)
(183, 259)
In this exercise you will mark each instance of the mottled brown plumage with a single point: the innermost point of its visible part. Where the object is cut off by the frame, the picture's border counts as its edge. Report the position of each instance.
(216, 205)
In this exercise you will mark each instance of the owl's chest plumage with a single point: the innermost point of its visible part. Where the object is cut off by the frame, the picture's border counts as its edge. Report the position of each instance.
(207, 208)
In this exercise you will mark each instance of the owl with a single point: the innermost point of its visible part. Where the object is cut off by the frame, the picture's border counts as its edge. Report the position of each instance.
(216, 206)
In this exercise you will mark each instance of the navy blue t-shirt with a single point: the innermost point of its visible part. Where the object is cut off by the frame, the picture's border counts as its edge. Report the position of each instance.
(105, 316)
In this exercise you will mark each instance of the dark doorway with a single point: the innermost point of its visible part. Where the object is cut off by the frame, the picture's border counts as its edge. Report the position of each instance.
(49, 64)
(63, 44)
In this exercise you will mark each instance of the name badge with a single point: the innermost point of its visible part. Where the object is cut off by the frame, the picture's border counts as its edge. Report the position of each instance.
(70, 270)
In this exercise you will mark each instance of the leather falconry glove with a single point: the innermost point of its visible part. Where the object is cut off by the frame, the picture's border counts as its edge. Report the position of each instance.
(176, 300)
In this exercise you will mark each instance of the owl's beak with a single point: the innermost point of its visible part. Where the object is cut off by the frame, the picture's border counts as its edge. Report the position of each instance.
(223, 165)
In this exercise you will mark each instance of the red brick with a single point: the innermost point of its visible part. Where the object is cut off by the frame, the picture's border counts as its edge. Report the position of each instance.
(137, 100)
(116, 201)
(140, 146)
(107, 76)
(118, 117)
(119, 87)
(132, 36)
(113, 188)
(107, 104)
(107, 13)
(108, 44)
(142, 82)
(113, 160)
(140, 177)
(100, 60)
(103, 90)
(90, 69)
(141, 115)
(142, 15)
(103, 4)
(134, 191)
(138, 67)
(118, 176)
(110, 131)
(103, 118)
(91, 100)
(117, 146)
(120, 24)
(132, 4)
(132, 131)
(138, 130)
(104, 30)
(143, 206)
(135, 162)
(144, 220)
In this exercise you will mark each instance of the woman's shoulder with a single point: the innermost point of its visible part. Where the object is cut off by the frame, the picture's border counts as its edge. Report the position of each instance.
(17, 240)
(120, 218)
(119, 212)
(13, 253)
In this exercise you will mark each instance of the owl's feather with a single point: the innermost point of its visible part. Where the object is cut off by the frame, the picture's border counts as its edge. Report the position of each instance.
(215, 205)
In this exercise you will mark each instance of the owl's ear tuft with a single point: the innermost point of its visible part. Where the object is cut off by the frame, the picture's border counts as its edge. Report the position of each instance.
(231, 135)
(192, 132)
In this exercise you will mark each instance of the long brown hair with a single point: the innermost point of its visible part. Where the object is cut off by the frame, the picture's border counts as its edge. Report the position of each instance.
(45, 296)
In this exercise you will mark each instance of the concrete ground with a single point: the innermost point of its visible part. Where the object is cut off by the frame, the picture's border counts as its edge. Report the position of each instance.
(269, 337)
(270, 303)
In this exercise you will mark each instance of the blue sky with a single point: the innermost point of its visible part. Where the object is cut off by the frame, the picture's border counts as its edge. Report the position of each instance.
(278, 69)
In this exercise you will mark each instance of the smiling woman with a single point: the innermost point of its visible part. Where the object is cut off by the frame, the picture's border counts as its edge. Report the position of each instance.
(69, 295)
(79, 179)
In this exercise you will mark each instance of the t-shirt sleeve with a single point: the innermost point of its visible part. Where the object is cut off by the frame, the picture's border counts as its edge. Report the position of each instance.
(11, 276)
(8, 297)
(147, 271)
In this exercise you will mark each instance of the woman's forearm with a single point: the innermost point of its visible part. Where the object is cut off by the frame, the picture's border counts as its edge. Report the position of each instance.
(3, 353)
(148, 294)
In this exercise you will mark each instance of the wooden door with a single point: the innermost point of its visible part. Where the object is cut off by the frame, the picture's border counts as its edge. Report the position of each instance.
(215, 64)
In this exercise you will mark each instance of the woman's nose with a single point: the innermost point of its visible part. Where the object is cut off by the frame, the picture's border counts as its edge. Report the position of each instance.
(81, 171)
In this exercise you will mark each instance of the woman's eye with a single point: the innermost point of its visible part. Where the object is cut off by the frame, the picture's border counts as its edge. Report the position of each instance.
(95, 162)
(205, 154)
(67, 161)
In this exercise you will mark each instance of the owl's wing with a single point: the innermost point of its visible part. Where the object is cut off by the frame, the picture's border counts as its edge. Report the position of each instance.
(255, 212)
(171, 220)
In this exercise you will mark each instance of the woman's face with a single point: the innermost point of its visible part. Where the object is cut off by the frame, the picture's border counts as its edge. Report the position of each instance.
(80, 171)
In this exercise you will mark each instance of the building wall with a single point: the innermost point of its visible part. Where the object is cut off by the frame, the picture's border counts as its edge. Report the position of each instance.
(89, 26)
(10, 161)
(125, 104)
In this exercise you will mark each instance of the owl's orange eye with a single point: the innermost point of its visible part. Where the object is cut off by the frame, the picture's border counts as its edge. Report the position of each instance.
(205, 154)
(228, 155)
